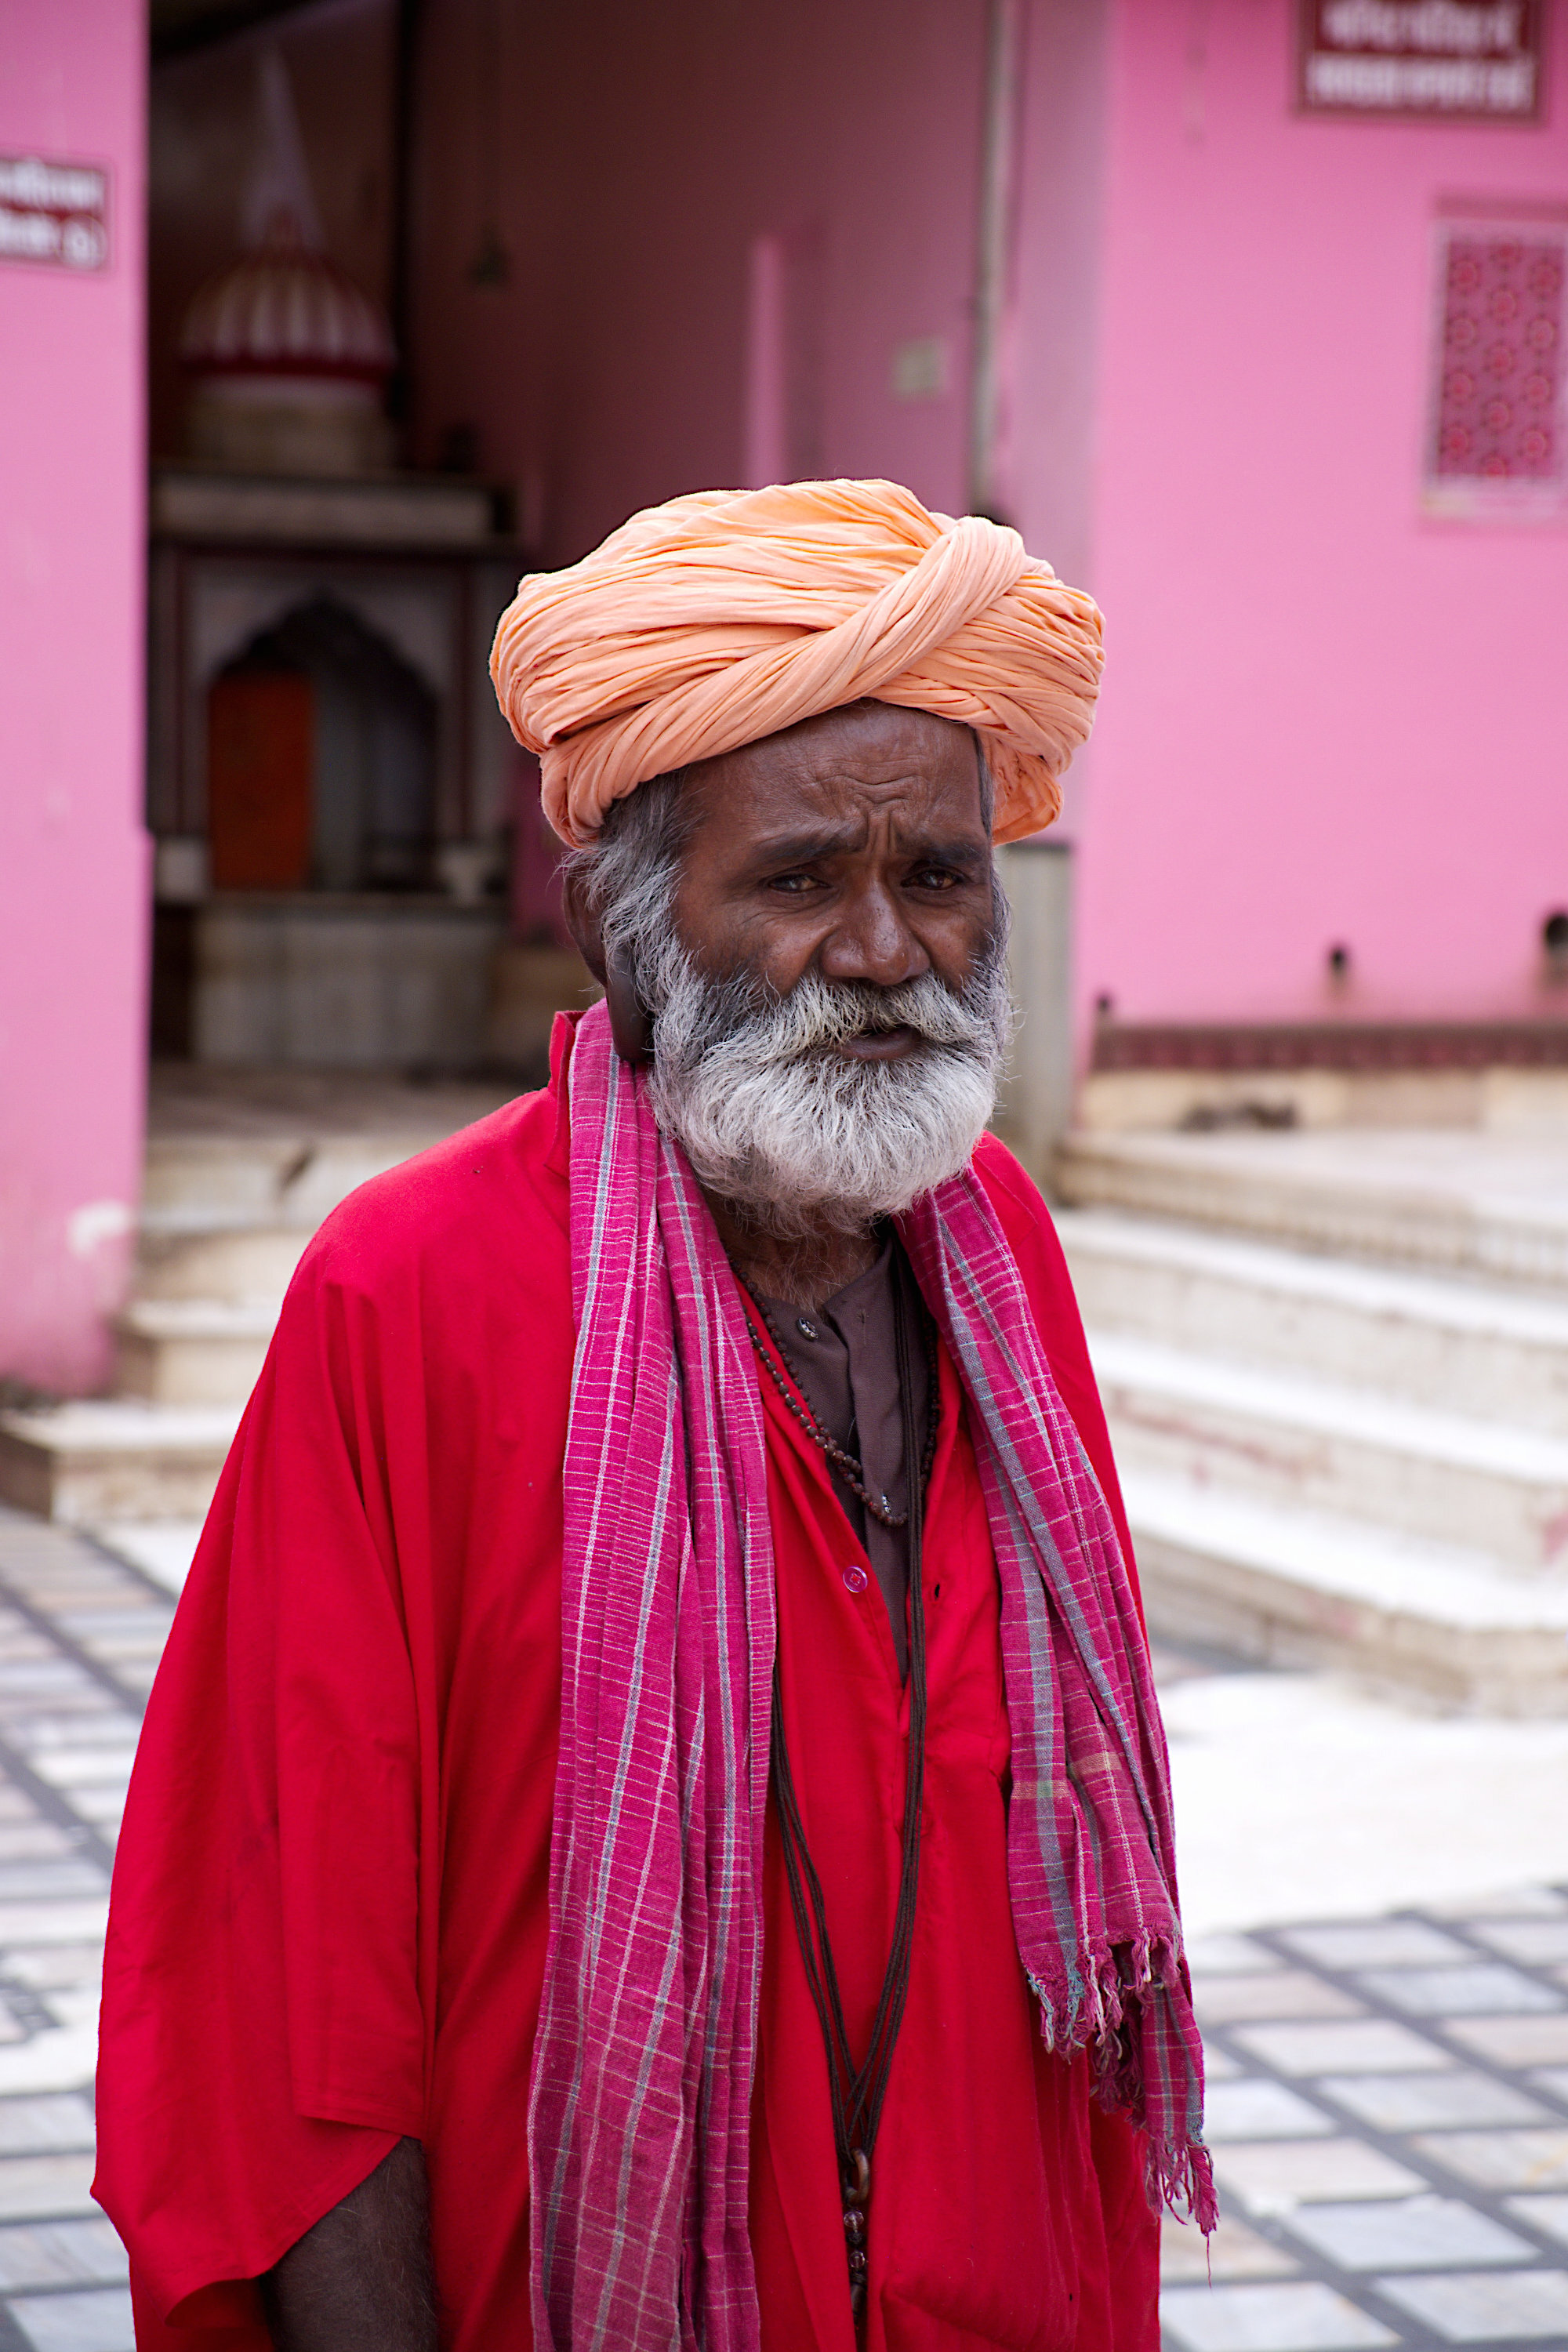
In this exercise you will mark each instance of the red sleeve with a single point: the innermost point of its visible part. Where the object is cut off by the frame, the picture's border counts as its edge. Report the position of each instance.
(1026, 1221)
(1121, 2312)
(263, 2036)
(363, 1677)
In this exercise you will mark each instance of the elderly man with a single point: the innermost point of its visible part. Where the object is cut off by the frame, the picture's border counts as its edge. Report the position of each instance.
(653, 1827)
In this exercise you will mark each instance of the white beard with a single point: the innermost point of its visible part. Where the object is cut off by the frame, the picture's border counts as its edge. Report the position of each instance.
(800, 1137)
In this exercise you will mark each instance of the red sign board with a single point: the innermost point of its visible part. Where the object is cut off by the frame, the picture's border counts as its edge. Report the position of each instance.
(53, 213)
(1458, 59)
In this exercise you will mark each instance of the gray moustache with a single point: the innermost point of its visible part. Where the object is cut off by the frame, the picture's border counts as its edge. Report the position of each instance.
(822, 1017)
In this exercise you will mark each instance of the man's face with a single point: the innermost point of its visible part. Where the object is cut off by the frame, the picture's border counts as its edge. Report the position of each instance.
(824, 968)
(853, 846)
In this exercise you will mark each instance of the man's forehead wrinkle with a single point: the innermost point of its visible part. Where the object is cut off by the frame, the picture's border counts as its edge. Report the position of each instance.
(838, 786)
(860, 820)
(831, 773)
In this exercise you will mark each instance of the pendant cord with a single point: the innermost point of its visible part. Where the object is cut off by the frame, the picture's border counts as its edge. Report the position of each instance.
(856, 2094)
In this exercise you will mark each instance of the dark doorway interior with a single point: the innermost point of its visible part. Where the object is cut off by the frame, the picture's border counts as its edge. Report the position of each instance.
(322, 761)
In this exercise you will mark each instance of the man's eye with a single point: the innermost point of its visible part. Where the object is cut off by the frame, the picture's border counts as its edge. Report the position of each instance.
(935, 878)
(796, 883)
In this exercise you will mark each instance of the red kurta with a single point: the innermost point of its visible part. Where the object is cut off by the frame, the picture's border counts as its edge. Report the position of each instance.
(329, 1918)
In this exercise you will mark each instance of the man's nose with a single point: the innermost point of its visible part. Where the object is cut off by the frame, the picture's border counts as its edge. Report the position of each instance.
(873, 943)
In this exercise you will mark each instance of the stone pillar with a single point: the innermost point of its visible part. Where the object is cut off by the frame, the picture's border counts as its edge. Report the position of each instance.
(1035, 1109)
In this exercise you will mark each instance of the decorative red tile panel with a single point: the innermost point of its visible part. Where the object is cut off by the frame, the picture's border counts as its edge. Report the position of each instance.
(1500, 398)
(1496, 433)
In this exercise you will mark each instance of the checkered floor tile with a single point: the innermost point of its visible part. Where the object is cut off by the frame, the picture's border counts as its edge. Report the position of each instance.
(81, 1634)
(1389, 2118)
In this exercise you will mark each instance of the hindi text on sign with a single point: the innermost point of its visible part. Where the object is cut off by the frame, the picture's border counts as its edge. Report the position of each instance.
(1479, 59)
(53, 213)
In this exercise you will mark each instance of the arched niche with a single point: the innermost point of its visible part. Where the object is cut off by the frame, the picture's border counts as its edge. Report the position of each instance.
(321, 757)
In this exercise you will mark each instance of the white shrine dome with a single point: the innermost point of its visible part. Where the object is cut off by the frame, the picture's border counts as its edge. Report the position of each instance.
(286, 359)
(285, 311)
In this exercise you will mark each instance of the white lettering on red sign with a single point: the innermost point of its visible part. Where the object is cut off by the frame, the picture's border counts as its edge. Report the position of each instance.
(1475, 57)
(53, 213)
(1441, 28)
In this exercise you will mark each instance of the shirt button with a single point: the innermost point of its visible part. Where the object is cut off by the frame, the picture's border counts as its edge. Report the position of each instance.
(855, 1577)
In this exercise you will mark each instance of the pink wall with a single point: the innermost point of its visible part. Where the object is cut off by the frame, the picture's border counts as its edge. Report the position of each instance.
(1325, 719)
(1051, 341)
(72, 851)
(631, 157)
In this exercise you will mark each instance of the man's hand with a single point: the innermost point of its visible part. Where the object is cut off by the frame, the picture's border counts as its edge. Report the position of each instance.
(360, 2281)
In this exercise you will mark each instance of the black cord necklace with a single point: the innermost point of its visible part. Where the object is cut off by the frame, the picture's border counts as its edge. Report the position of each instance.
(856, 2094)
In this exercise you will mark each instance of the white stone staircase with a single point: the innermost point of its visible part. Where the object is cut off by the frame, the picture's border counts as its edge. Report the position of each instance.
(1336, 1368)
(1459, 1199)
(1329, 1459)
(237, 1179)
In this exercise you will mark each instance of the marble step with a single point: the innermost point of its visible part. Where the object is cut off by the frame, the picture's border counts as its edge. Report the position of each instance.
(1461, 1346)
(220, 1179)
(1311, 1444)
(192, 1351)
(292, 1180)
(1280, 1586)
(114, 1459)
(1482, 1205)
(181, 1256)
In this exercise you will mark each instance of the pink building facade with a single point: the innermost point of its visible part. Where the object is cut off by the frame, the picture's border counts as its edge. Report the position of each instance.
(73, 865)
(641, 177)
(1332, 719)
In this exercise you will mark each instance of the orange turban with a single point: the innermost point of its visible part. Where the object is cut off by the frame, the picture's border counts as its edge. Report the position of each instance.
(713, 620)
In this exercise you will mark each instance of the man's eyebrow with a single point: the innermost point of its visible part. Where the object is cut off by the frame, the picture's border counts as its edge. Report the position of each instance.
(959, 849)
(802, 848)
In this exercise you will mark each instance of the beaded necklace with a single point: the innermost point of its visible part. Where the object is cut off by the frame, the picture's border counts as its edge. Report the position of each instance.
(851, 1471)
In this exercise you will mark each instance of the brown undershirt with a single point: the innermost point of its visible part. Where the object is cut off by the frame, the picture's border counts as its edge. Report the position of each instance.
(844, 1359)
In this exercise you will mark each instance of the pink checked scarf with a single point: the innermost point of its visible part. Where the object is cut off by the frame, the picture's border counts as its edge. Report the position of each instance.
(642, 2079)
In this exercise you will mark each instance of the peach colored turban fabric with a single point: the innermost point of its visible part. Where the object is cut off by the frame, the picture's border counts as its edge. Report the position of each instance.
(722, 617)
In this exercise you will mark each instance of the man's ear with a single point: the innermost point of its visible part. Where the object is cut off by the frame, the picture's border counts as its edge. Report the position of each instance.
(629, 1023)
(583, 920)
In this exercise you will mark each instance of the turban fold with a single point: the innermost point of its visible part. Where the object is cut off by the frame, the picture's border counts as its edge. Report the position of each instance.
(722, 617)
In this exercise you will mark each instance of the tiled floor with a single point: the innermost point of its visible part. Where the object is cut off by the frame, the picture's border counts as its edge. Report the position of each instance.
(1389, 2101)
(81, 1633)
(1389, 2119)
